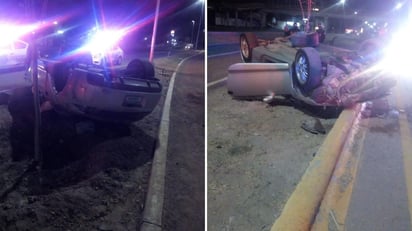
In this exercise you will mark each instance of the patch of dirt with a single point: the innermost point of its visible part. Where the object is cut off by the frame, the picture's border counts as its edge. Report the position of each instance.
(257, 154)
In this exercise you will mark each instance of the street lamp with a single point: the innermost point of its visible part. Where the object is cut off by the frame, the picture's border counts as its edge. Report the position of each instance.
(193, 30)
(200, 23)
(344, 14)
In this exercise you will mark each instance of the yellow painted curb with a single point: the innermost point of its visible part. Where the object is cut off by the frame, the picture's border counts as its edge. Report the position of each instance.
(335, 203)
(300, 210)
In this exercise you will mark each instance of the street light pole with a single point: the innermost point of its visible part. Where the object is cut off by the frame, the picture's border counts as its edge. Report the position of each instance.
(193, 30)
(200, 23)
(344, 15)
(154, 31)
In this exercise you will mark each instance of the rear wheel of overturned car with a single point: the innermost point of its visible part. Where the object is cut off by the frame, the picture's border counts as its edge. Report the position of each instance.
(140, 69)
(248, 41)
(307, 70)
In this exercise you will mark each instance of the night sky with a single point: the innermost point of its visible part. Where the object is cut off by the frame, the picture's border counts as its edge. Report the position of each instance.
(137, 15)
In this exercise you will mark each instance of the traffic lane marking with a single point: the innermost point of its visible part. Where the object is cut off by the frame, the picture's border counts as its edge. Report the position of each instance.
(223, 54)
(211, 84)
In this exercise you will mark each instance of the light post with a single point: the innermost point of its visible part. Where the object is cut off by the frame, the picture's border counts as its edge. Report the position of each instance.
(344, 14)
(200, 23)
(152, 44)
(193, 30)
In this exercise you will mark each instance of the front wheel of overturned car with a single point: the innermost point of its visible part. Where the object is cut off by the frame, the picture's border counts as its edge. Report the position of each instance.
(307, 70)
(248, 41)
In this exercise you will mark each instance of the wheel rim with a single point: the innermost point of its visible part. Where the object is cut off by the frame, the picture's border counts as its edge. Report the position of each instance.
(244, 47)
(301, 68)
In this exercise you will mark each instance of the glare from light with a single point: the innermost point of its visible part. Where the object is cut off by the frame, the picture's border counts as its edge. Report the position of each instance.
(398, 6)
(396, 55)
(356, 12)
(14, 32)
(60, 32)
(104, 40)
(342, 2)
(366, 22)
(55, 22)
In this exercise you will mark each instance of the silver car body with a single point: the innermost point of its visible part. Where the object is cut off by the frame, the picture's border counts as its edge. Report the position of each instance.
(88, 92)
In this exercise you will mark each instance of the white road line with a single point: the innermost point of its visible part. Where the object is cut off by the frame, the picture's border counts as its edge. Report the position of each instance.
(216, 82)
(152, 214)
(223, 54)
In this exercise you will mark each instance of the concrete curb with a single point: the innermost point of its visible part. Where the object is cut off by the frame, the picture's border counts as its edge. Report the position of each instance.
(301, 208)
(152, 214)
(335, 203)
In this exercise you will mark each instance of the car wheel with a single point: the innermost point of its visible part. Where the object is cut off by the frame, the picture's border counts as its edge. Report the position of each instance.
(248, 41)
(140, 69)
(307, 70)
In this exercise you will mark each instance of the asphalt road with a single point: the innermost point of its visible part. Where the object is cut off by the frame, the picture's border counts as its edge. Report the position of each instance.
(184, 206)
(381, 198)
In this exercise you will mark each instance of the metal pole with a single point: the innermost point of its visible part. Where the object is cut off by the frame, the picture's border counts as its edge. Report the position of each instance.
(154, 31)
(200, 24)
(193, 30)
(38, 158)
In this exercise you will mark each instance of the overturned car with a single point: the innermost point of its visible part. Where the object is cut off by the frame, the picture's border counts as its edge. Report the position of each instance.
(108, 94)
(301, 67)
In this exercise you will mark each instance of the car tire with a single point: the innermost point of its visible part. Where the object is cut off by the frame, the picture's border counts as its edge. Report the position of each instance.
(248, 41)
(140, 69)
(307, 70)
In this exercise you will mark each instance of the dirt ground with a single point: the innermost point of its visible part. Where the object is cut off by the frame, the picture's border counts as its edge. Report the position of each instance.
(94, 176)
(257, 154)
